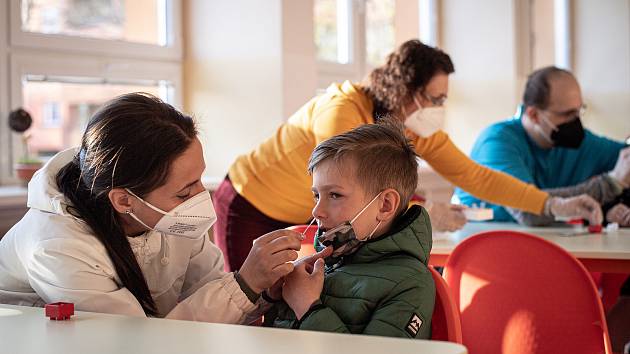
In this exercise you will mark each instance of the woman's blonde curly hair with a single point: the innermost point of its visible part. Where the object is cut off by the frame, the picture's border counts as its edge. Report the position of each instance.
(407, 70)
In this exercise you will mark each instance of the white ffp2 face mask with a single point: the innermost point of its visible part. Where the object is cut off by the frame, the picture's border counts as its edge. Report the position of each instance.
(191, 219)
(426, 121)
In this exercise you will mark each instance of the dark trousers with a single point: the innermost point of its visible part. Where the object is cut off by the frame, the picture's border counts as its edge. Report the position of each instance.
(625, 288)
(238, 224)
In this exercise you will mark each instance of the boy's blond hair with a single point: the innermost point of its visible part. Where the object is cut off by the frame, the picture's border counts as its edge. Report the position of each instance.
(382, 156)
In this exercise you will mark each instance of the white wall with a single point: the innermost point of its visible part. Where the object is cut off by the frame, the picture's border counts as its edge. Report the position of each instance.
(250, 64)
(602, 64)
(247, 67)
(299, 55)
(479, 37)
(487, 42)
(542, 30)
(406, 19)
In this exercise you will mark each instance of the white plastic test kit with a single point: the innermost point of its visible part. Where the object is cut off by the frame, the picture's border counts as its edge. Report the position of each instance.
(478, 214)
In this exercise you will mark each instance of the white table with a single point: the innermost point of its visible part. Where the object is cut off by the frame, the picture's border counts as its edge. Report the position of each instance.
(27, 330)
(598, 252)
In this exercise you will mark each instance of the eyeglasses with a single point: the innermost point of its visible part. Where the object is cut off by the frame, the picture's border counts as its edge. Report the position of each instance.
(570, 113)
(436, 101)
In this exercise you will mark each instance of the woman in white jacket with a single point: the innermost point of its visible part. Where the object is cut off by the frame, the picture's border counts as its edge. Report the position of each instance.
(120, 226)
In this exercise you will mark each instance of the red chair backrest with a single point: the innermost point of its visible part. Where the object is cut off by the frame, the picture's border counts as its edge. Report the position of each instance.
(307, 244)
(519, 293)
(445, 322)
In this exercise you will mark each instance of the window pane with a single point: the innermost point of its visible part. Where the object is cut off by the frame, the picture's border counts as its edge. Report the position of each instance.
(326, 29)
(379, 34)
(141, 21)
(61, 109)
(332, 34)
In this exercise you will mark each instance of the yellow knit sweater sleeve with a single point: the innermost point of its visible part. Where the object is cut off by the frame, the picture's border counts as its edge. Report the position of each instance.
(482, 182)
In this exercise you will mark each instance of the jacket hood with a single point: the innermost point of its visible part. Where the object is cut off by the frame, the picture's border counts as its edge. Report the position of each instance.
(410, 234)
(43, 193)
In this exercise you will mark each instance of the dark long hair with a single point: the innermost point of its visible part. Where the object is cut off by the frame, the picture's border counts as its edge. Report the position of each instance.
(409, 68)
(130, 142)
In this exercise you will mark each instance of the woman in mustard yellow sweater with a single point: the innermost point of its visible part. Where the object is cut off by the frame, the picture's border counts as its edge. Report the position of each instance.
(269, 188)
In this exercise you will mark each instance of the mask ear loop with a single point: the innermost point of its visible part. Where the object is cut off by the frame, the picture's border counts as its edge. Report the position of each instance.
(553, 126)
(361, 212)
(415, 100)
(130, 213)
(364, 208)
(373, 231)
(542, 132)
(147, 204)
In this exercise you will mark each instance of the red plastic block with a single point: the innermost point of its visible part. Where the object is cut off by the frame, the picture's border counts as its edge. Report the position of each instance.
(595, 229)
(59, 311)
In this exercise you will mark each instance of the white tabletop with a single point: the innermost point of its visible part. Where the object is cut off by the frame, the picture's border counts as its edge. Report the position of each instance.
(27, 330)
(614, 245)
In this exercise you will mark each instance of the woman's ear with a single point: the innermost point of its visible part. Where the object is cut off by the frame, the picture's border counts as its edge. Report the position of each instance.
(120, 200)
(389, 204)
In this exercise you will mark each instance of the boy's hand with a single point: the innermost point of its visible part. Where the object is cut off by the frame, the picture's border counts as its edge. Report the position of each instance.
(275, 291)
(301, 289)
(309, 261)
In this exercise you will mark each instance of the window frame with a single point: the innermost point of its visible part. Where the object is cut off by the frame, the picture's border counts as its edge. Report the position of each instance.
(23, 53)
(429, 18)
(329, 71)
(358, 67)
(564, 56)
(5, 147)
(94, 46)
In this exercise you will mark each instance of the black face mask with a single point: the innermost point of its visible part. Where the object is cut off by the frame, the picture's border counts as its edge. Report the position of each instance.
(568, 135)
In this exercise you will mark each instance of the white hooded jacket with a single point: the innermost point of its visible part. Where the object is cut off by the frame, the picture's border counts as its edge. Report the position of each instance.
(52, 256)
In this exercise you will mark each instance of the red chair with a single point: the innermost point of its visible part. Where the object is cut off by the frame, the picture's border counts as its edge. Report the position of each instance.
(518, 293)
(445, 322)
(307, 244)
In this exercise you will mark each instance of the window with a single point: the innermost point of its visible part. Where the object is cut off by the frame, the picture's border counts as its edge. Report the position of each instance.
(331, 30)
(88, 51)
(544, 34)
(138, 28)
(379, 30)
(352, 37)
(50, 115)
(133, 21)
(68, 103)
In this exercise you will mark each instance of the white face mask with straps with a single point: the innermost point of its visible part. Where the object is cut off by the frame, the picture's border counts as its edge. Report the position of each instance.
(426, 121)
(191, 219)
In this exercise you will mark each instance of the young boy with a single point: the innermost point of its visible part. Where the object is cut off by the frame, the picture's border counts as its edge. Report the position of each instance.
(376, 280)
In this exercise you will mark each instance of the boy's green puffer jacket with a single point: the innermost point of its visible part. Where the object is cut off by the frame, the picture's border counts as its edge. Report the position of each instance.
(384, 288)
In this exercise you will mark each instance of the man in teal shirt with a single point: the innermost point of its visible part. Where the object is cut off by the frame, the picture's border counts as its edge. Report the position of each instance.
(546, 145)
